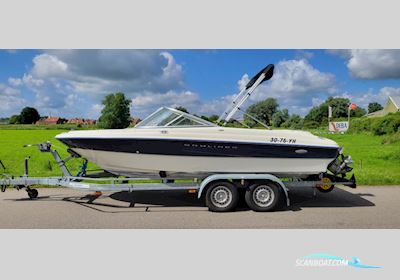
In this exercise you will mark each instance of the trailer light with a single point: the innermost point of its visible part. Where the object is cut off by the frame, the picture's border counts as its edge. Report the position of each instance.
(98, 193)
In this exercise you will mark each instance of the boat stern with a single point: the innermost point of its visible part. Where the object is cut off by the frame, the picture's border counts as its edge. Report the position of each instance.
(341, 164)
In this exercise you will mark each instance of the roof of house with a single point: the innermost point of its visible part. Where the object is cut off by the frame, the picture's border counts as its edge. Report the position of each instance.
(396, 101)
(48, 120)
(52, 119)
(81, 121)
(374, 113)
(76, 120)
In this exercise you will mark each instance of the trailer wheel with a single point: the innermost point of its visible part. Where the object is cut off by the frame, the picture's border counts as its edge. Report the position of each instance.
(221, 196)
(262, 197)
(32, 193)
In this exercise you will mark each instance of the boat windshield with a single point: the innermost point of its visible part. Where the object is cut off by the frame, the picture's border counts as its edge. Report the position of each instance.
(168, 117)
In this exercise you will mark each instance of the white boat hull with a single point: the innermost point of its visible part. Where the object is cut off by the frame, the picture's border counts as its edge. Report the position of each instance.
(130, 163)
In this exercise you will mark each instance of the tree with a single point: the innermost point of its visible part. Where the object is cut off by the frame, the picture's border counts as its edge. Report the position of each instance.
(280, 117)
(182, 109)
(29, 115)
(294, 122)
(319, 114)
(213, 118)
(358, 112)
(373, 107)
(115, 113)
(263, 111)
(15, 119)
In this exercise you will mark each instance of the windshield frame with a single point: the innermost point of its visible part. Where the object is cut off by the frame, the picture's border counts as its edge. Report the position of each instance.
(180, 115)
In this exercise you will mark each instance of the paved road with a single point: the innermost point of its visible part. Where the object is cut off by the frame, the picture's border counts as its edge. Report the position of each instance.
(364, 207)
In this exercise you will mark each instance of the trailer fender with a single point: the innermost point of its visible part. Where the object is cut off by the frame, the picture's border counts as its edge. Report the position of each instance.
(269, 177)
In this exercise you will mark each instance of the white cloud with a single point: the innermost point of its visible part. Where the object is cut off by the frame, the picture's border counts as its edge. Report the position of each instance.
(386, 91)
(95, 111)
(372, 64)
(172, 72)
(59, 78)
(27, 80)
(363, 99)
(49, 66)
(11, 101)
(9, 91)
(217, 106)
(303, 54)
(296, 78)
(316, 101)
(151, 78)
(15, 81)
(295, 84)
(73, 82)
(144, 104)
(343, 53)
(99, 71)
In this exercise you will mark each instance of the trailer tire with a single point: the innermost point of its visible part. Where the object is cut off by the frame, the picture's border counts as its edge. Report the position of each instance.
(221, 196)
(263, 196)
(32, 193)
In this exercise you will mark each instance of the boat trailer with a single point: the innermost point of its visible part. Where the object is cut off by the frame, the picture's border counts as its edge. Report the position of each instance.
(263, 190)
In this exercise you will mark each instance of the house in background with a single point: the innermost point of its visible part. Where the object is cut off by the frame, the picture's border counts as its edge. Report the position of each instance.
(392, 106)
(51, 120)
(81, 121)
(135, 121)
(90, 121)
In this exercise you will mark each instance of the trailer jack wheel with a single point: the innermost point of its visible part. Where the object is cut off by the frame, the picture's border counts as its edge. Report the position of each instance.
(326, 186)
(32, 193)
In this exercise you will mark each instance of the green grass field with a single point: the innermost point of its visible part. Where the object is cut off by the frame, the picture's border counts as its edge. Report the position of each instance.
(375, 163)
(12, 153)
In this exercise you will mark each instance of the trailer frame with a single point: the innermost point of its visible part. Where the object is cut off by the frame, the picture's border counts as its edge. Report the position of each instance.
(105, 182)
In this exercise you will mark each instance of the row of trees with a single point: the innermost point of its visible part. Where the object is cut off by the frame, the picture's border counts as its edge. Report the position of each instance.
(267, 111)
(116, 113)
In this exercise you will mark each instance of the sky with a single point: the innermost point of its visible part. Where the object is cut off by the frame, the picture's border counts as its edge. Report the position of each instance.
(72, 83)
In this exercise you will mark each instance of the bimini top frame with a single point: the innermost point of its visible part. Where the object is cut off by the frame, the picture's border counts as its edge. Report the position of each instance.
(264, 75)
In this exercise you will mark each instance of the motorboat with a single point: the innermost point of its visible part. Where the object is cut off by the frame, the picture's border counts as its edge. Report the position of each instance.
(169, 141)
(172, 141)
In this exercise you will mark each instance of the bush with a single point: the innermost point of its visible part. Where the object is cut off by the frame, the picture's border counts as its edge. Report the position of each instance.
(360, 125)
(294, 122)
(15, 119)
(394, 138)
(311, 124)
(388, 124)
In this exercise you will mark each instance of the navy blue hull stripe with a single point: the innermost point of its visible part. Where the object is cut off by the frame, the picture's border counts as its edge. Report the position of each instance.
(201, 148)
